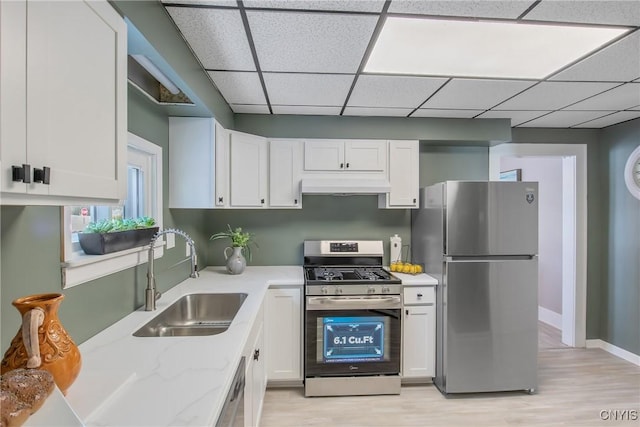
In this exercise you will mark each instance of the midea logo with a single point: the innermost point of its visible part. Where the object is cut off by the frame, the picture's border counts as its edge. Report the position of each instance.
(353, 368)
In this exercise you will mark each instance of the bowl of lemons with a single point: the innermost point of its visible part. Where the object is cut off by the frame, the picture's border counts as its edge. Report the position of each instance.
(405, 267)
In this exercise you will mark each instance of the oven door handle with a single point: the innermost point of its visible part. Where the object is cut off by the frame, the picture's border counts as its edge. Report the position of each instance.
(347, 303)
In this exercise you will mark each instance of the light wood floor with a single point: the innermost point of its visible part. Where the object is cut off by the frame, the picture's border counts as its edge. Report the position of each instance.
(575, 385)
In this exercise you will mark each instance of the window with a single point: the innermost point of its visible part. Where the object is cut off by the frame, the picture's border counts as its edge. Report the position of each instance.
(144, 198)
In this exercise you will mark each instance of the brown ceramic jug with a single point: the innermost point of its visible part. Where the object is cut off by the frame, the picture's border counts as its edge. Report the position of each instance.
(42, 342)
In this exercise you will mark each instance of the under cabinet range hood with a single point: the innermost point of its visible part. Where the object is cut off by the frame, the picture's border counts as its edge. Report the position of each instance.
(344, 186)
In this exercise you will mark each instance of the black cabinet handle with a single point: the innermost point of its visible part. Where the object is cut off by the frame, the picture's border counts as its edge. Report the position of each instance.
(262, 201)
(347, 165)
(295, 201)
(406, 312)
(414, 200)
(419, 295)
(219, 199)
(21, 173)
(256, 354)
(341, 165)
(42, 175)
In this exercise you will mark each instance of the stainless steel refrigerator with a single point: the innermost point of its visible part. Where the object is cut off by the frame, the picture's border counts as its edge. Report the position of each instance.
(480, 240)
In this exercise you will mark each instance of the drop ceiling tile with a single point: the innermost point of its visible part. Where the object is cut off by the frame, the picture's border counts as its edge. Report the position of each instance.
(216, 36)
(310, 42)
(564, 119)
(553, 95)
(517, 117)
(621, 116)
(475, 93)
(619, 62)
(477, 9)
(380, 112)
(462, 114)
(620, 98)
(249, 109)
(307, 89)
(306, 110)
(238, 87)
(613, 12)
(342, 5)
(393, 91)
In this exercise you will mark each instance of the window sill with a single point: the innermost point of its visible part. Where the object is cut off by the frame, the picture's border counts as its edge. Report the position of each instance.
(84, 268)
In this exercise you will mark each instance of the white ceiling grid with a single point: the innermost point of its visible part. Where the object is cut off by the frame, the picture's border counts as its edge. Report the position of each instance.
(306, 57)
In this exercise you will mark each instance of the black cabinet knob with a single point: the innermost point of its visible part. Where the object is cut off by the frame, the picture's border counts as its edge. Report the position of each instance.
(347, 165)
(414, 200)
(262, 201)
(219, 199)
(21, 173)
(256, 354)
(295, 201)
(341, 165)
(42, 175)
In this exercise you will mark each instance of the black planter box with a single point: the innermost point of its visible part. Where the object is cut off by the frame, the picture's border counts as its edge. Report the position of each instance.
(105, 243)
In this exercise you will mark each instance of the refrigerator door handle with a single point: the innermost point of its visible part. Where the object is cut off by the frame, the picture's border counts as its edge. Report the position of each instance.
(491, 258)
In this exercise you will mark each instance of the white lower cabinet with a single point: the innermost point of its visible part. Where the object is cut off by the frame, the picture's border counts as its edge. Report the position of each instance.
(255, 374)
(419, 341)
(283, 334)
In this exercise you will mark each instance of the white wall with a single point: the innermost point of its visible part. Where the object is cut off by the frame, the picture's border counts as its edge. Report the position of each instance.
(547, 171)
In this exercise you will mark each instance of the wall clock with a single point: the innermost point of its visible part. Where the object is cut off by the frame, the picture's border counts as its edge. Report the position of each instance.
(632, 173)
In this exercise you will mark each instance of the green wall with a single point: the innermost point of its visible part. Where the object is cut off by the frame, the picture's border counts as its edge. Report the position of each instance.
(613, 302)
(620, 296)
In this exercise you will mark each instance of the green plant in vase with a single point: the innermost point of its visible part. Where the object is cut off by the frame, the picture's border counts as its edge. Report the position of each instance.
(240, 241)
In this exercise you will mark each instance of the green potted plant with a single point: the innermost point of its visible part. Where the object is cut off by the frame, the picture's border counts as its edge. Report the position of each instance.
(240, 241)
(116, 234)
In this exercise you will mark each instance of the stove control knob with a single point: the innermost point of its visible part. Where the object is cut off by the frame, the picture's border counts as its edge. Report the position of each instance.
(371, 290)
(338, 290)
(324, 290)
(385, 289)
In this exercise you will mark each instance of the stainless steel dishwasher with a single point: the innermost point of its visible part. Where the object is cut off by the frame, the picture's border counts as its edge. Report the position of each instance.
(232, 414)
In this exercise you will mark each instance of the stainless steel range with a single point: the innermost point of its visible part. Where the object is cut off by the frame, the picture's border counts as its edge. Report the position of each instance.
(352, 320)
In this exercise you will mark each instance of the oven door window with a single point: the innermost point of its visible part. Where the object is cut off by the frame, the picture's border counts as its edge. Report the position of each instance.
(353, 339)
(352, 342)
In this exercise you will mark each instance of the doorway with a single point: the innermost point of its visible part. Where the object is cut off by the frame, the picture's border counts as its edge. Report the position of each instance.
(571, 159)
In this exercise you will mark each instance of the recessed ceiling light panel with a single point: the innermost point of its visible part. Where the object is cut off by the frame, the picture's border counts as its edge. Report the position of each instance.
(493, 49)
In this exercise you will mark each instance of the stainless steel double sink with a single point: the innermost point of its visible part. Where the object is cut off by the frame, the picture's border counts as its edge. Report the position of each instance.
(195, 315)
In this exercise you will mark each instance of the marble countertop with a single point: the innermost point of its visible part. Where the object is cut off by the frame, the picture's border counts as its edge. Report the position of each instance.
(421, 279)
(169, 381)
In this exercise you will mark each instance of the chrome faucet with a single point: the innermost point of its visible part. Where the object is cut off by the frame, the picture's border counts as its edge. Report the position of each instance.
(151, 294)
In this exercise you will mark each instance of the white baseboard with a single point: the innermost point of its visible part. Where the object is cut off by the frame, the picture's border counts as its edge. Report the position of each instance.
(550, 317)
(616, 351)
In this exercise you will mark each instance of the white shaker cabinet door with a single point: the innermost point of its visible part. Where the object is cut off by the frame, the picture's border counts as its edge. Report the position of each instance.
(418, 359)
(248, 172)
(283, 334)
(73, 57)
(403, 175)
(365, 155)
(285, 164)
(324, 155)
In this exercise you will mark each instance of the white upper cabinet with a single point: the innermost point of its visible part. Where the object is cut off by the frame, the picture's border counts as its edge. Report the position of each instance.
(248, 170)
(353, 155)
(285, 168)
(192, 162)
(403, 175)
(63, 120)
